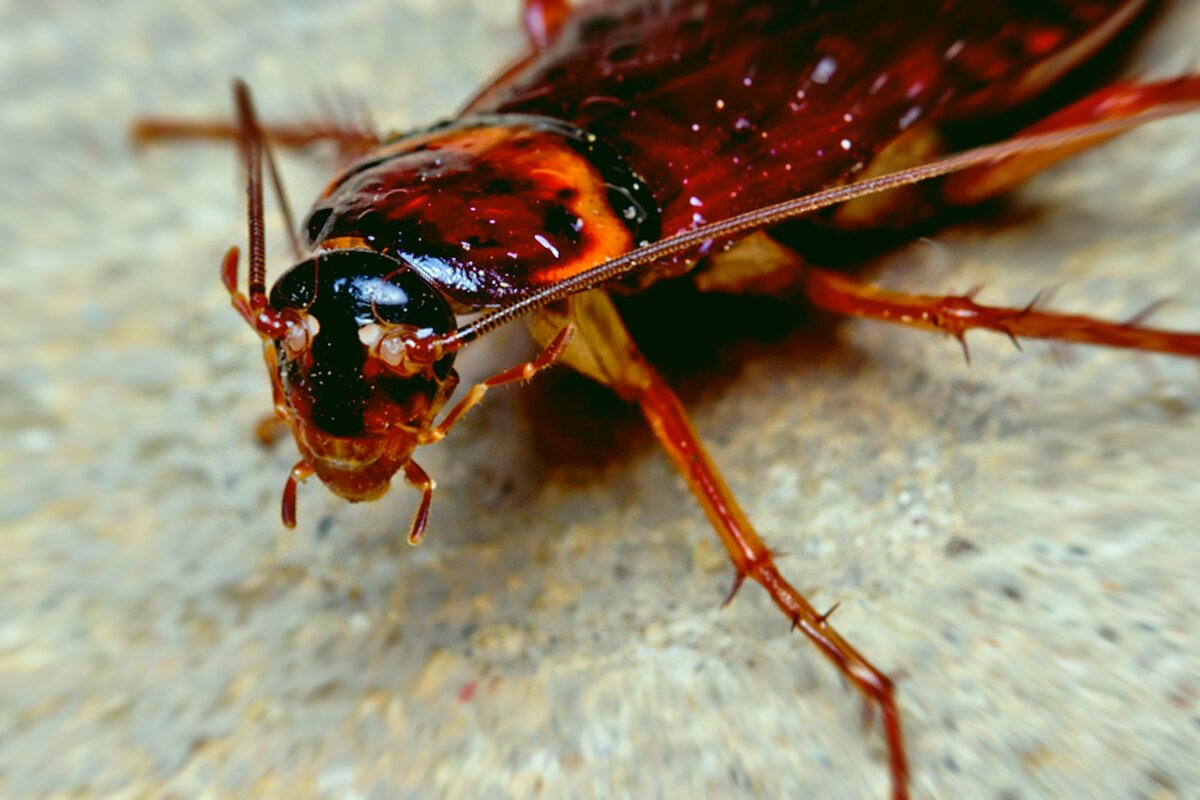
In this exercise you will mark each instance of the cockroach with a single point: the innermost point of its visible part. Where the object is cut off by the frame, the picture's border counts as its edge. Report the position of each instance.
(644, 141)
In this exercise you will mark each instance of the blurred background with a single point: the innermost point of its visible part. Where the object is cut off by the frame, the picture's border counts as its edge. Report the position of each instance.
(1014, 541)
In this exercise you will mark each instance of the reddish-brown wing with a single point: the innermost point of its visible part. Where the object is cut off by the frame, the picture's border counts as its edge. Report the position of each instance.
(729, 106)
(721, 107)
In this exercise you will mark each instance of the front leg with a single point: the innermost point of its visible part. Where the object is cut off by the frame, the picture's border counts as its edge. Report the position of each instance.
(521, 372)
(419, 480)
(417, 477)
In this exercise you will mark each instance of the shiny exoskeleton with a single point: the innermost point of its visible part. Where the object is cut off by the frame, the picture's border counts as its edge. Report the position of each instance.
(346, 404)
(641, 140)
(486, 207)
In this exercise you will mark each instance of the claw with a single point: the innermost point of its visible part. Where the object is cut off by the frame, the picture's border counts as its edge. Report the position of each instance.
(738, 580)
(1042, 297)
(1012, 338)
(1032, 304)
(962, 340)
(821, 620)
(1141, 316)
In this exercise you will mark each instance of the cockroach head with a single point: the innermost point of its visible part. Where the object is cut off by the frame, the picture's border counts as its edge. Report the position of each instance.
(357, 387)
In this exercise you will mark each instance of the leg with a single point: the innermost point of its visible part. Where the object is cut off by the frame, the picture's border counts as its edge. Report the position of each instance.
(270, 429)
(521, 372)
(1112, 103)
(417, 477)
(301, 472)
(419, 480)
(955, 315)
(752, 559)
(543, 18)
(605, 351)
(756, 265)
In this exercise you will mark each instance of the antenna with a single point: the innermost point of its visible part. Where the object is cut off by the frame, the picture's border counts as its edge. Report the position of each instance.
(791, 209)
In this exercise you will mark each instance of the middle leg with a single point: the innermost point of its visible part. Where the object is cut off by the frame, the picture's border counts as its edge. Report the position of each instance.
(759, 265)
(603, 350)
(956, 314)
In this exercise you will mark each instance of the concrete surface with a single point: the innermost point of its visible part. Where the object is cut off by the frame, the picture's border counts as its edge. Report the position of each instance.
(1015, 541)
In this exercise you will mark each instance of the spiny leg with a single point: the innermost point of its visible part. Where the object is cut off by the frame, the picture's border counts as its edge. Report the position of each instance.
(417, 477)
(603, 350)
(779, 272)
(521, 372)
(751, 559)
(957, 314)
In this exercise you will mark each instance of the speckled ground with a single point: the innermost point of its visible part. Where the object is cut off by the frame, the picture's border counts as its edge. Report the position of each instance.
(1016, 541)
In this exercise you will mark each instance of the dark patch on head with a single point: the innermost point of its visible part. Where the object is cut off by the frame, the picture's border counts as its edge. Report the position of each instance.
(561, 222)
